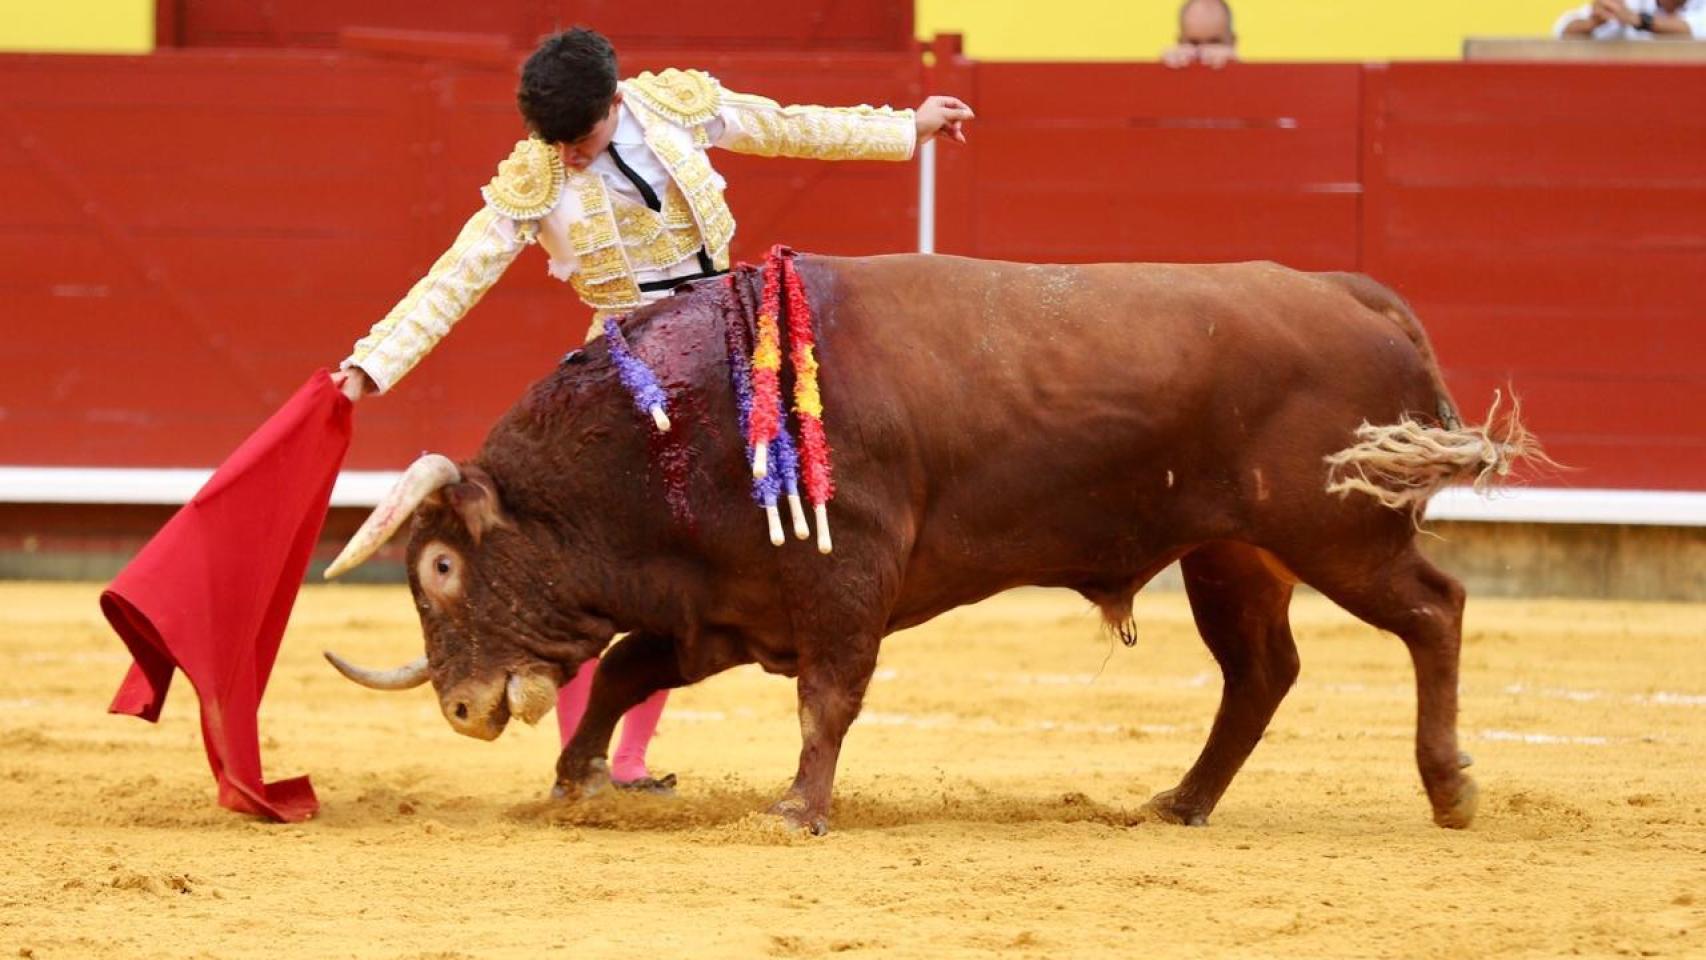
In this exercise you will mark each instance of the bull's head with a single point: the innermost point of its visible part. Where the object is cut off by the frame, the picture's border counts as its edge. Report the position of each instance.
(501, 632)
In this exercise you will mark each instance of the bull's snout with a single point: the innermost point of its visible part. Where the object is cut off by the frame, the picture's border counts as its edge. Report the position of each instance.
(481, 710)
(474, 710)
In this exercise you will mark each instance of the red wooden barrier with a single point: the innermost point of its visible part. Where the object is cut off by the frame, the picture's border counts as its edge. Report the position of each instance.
(183, 236)
(759, 25)
(1095, 162)
(1548, 222)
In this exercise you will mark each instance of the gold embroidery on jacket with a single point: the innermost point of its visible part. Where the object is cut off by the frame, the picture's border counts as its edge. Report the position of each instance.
(528, 183)
(603, 277)
(456, 282)
(763, 127)
(691, 172)
(687, 98)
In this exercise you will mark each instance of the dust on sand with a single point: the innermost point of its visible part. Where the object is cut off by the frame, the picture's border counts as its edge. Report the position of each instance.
(989, 802)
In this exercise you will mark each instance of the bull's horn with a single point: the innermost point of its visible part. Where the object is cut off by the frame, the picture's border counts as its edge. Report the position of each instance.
(405, 677)
(424, 476)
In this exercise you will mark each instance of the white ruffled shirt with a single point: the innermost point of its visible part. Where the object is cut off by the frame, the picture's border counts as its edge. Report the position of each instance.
(630, 142)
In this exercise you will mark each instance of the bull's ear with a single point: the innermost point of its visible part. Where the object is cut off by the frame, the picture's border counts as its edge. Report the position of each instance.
(476, 500)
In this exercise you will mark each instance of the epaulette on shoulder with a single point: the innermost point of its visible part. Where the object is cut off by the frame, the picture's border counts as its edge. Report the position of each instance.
(685, 97)
(527, 184)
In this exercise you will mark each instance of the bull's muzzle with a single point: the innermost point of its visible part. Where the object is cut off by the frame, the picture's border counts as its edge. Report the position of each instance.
(482, 709)
(478, 709)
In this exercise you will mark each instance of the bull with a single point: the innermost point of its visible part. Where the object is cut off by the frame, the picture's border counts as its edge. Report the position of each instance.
(994, 425)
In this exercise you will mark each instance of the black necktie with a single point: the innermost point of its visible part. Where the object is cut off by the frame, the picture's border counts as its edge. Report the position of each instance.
(651, 197)
(646, 192)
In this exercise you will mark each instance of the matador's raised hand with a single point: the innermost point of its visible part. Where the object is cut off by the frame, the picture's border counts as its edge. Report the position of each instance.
(945, 115)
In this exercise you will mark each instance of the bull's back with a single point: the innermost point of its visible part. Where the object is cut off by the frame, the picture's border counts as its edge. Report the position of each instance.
(1073, 418)
(990, 355)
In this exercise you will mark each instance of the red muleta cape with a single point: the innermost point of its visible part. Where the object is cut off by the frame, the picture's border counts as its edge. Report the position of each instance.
(211, 593)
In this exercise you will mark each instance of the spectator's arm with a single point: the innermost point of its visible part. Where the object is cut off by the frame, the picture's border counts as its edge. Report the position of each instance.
(1579, 24)
(1681, 26)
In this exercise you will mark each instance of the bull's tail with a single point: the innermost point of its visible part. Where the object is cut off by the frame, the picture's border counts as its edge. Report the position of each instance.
(1384, 301)
(1404, 464)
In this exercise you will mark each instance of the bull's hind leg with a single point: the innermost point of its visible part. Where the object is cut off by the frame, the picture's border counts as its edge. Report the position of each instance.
(1240, 604)
(832, 682)
(1405, 594)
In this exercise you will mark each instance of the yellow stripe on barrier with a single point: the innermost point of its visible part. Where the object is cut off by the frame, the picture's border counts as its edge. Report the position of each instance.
(1267, 29)
(76, 26)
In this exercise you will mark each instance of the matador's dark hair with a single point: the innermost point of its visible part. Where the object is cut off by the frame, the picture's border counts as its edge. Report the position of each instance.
(567, 84)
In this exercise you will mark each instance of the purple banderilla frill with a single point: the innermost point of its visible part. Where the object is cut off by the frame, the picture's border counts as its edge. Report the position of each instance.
(636, 376)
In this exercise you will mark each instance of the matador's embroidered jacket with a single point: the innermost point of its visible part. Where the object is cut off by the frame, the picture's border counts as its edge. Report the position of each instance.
(602, 242)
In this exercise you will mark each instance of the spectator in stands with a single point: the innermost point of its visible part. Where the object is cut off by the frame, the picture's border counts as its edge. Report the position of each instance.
(1634, 20)
(616, 184)
(1205, 36)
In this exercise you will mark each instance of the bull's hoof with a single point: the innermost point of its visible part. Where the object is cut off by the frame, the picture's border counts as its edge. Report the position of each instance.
(1460, 812)
(663, 786)
(1165, 806)
(1464, 760)
(794, 814)
(816, 826)
(591, 783)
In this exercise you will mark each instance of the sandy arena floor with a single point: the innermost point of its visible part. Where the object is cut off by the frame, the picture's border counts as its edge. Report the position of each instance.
(988, 803)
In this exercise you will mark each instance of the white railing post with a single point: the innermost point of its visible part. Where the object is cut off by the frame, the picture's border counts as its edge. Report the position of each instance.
(927, 197)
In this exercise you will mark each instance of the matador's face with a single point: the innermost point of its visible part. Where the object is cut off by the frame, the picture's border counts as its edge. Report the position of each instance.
(577, 154)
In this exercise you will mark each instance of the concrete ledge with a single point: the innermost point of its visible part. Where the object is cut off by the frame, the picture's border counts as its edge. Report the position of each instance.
(1670, 508)
(1549, 50)
(167, 486)
(1598, 544)
(1595, 561)
(364, 488)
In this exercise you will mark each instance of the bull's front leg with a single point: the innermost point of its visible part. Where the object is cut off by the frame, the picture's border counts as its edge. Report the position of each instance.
(634, 668)
(832, 683)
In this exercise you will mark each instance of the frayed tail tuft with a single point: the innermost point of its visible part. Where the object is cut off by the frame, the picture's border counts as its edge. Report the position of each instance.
(1404, 464)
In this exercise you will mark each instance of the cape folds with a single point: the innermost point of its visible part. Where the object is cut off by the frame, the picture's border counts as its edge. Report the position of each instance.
(211, 592)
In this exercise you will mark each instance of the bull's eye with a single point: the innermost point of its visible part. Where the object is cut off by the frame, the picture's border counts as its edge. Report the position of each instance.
(439, 568)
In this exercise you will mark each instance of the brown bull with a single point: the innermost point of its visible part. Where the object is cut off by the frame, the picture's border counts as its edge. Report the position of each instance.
(994, 425)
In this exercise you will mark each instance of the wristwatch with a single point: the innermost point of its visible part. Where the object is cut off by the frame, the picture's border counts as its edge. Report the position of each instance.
(1645, 23)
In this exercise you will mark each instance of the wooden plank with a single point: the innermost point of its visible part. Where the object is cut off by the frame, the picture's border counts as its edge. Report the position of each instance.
(1102, 154)
(1315, 232)
(1534, 93)
(1250, 96)
(223, 202)
(762, 24)
(260, 81)
(1549, 50)
(1592, 154)
(1440, 273)
(1565, 340)
(1481, 218)
(1565, 407)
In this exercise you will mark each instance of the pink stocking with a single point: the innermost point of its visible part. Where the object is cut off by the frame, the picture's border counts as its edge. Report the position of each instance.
(571, 699)
(639, 724)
